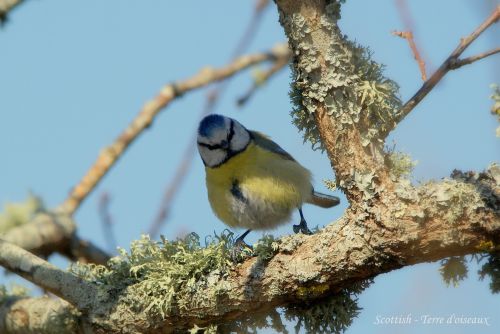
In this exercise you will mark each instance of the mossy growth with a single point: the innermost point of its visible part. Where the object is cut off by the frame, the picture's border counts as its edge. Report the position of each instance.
(453, 270)
(456, 197)
(491, 269)
(333, 314)
(330, 184)
(160, 278)
(338, 74)
(15, 214)
(400, 164)
(266, 247)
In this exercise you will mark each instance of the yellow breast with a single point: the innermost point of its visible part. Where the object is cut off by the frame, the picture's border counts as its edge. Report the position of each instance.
(272, 185)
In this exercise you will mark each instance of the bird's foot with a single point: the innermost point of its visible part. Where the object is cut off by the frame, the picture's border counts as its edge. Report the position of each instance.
(302, 228)
(240, 248)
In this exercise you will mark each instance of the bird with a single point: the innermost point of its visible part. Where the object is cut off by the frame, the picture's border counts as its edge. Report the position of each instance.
(251, 181)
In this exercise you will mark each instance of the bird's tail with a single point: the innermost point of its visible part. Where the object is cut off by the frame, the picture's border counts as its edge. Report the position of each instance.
(324, 200)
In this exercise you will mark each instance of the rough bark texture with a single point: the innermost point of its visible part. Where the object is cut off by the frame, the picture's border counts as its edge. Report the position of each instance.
(49, 233)
(42, 315)
(389, 224)
(437, 220)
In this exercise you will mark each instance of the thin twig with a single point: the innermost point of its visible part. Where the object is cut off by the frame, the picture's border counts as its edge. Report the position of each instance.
(443, 69)
(107, 221)
(408, 35)
(111, 154)
(210, 104)
(262, 79)
(410, 26)
(469, 60)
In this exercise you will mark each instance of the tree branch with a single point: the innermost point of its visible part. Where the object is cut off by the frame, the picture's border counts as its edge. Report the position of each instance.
(110, 155)
(6, 6)
(47, 276)
(437, 220)
(469, 60)
(408, 35)
(36, 315)
(449, 64)
(48, 232)
(262, 79)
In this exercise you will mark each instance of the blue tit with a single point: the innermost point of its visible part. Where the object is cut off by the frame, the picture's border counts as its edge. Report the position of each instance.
(252, 182)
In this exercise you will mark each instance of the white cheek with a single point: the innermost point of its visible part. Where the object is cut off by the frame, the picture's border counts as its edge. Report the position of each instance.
(212, 157)
(240, 139)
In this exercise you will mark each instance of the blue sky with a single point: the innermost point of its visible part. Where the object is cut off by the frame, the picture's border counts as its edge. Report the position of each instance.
(73, 74)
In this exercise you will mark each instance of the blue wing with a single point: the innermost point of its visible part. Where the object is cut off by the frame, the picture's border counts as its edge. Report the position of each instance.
(264, 142)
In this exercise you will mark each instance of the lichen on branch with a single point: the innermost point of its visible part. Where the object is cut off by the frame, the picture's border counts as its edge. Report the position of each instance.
(337, 73)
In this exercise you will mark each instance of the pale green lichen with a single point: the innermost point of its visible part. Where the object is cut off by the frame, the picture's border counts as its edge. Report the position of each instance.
(16, 214)
(453, 270)
(211, 329)
(160, 277)
(400, 164)
(330, 184)
(266, 247)
(453, 198)
(333, 314)
(491, 268)
(363, 181)
(351, 86)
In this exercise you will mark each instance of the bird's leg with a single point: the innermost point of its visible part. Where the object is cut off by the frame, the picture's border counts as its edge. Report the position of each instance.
(239, 242)
(302, 226)
(239, 246)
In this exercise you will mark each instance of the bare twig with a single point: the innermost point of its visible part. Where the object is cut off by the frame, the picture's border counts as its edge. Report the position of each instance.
(469, 60)
(408, 35)
(6, 6)
(107, 221)
(86, 252)
(210, 104)
(262, 78)
(410, 27)
(111, 154)
(47, 276)
(447, 65)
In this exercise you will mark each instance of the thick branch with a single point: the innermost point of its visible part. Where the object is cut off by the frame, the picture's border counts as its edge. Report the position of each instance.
(47, 276)
(110, 155)
(48, 233)
(437, 220)
(37, 315)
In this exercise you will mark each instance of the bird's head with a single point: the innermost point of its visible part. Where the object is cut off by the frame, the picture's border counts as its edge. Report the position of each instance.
(220, 138)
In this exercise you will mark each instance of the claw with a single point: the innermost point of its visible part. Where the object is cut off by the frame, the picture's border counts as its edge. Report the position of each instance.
(239, 247)
(302, 226)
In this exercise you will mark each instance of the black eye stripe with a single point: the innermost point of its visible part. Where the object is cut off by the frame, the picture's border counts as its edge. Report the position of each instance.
(210, 147)
(231, 132)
